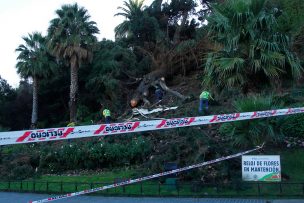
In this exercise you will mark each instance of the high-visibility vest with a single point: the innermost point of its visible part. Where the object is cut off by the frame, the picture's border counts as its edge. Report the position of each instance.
(72, 124)
(106, 113)
(204, 95)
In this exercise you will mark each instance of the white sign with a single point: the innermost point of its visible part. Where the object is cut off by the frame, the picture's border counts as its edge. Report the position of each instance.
(261, 168)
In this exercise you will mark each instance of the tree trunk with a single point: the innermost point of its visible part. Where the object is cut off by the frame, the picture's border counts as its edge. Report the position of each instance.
(167, 63)
(73, 89)
(151, 80)
(35, 103)
(175, 93)
(176, 38)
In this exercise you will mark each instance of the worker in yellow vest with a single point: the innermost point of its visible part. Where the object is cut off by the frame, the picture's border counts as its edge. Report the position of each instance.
(204, 99)
(106, 113)
(71, 124)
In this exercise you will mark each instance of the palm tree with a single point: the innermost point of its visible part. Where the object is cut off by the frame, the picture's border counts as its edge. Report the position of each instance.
(257, 131)
(132, 10)
(248, 46)
(34, 62)
(71, 38)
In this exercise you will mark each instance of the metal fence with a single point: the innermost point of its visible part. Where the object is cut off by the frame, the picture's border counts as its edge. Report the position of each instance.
(153, 188)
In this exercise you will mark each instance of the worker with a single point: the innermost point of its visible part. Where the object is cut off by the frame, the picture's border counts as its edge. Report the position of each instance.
(159, 93)
(33, 126)
(133, 103)
(107, 114)
(71, 124)
(204, 99)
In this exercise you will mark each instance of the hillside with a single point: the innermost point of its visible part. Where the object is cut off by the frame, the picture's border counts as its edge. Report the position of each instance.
(247, 56)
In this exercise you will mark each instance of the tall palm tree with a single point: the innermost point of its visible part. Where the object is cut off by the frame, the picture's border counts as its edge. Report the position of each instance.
(249, 45)
(71, 38)
(132, 10)
(34, 62)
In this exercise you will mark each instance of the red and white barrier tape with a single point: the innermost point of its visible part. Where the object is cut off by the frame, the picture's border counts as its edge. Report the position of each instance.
(137, 180)
(51, 134)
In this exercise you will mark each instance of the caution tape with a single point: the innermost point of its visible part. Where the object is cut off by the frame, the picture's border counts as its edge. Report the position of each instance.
(137, 180)
(53, 134)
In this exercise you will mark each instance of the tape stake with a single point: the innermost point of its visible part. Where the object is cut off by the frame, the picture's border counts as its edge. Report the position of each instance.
(137, 180)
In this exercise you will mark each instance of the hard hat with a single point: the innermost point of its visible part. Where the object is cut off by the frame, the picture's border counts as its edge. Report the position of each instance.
(133, 103)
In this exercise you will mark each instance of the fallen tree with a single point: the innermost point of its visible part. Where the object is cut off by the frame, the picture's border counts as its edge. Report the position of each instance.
(166, 63)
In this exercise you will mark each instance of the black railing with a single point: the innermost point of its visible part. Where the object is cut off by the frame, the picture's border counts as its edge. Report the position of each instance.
(193, 189)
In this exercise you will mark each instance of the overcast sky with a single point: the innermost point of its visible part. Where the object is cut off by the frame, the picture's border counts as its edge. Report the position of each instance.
(20, 17)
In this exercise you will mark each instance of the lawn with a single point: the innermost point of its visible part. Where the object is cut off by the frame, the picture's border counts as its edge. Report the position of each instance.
(104, 177)
(292, 163)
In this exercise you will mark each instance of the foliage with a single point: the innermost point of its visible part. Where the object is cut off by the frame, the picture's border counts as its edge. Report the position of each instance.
(257, 131)
(20, 106)
(291, 15)
(249, 46)
(7, 95)
(93, 155)
(34, 59)
(136, 21)
(53, 99)
(16, 163)
(184, 146)
(71, 38)
(294, 126)
(111, 64)
(290, 20)
(71, 34)
(249, 51)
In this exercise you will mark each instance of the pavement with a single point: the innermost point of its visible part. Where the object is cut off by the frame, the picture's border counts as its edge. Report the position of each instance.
(13, 197)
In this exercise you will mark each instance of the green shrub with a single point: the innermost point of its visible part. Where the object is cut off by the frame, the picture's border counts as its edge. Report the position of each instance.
(21, 172)
(254, 132)
(294, 126)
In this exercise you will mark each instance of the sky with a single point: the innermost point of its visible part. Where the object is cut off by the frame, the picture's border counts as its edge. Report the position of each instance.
(20, 17)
